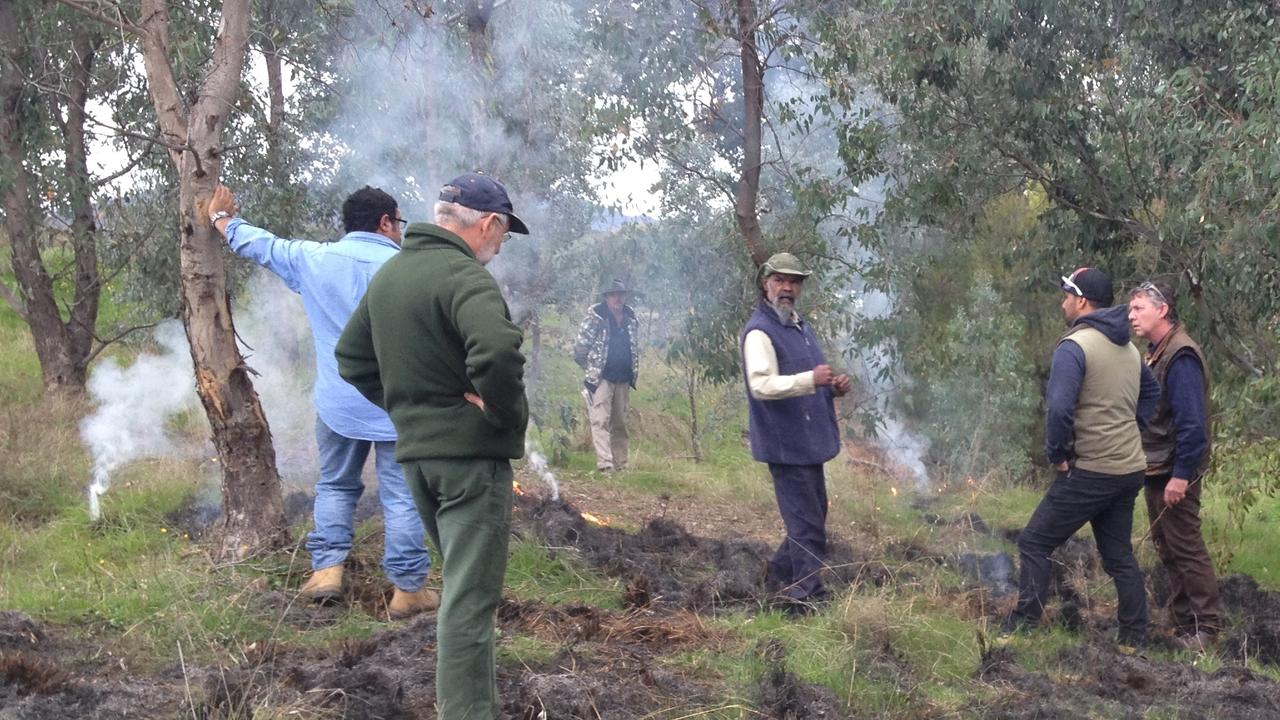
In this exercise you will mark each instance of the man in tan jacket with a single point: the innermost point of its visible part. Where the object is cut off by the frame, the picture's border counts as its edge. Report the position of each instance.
(1099, 396)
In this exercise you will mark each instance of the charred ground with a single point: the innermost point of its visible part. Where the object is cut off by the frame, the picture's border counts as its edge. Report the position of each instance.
(683, 601)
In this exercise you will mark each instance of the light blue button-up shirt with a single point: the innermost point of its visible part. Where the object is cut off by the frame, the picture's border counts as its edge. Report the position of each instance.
(331, 278)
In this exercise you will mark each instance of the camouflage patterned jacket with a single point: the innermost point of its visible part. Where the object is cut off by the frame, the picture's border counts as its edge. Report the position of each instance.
(592, 346)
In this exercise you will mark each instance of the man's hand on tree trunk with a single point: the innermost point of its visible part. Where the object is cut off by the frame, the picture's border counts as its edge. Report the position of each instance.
(222, 207)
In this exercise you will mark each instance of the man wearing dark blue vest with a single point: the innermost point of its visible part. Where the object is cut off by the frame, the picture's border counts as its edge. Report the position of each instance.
(792, 417)
(1099, 397)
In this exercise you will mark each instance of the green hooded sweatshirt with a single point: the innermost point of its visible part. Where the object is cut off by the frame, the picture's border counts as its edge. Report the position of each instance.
(433, 326)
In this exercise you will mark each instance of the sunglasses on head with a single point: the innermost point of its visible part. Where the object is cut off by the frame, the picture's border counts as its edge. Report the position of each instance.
(1150, 287)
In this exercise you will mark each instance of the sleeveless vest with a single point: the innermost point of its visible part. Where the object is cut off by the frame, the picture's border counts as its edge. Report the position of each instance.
(1160, 438)
(791, 431)
(1107, 439)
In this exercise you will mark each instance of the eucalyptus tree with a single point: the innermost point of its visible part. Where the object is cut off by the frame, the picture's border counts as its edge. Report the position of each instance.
(1149, 127)
(54, 64)
(194, 80)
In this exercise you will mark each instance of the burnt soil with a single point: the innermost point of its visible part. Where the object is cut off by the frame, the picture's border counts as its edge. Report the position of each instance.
(609, 664)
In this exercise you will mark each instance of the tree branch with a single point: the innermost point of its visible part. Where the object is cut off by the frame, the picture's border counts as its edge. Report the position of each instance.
(171, 111)
(102, 344)
(133, 163)
(89, 9)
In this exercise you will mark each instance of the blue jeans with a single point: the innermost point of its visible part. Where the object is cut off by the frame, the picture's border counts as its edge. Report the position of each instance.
(405, 558)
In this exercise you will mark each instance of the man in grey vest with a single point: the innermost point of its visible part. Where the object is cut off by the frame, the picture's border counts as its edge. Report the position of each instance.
(1177, 447)
(1099, 396)
(792, 422)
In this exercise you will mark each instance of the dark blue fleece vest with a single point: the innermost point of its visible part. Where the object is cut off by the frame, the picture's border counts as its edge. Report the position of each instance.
(793, 431)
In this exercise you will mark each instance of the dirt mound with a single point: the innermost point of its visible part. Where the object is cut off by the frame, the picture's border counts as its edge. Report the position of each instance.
(660, 633)
(665, 563)
(1253, 619)
(783, 696)
(1096, 681)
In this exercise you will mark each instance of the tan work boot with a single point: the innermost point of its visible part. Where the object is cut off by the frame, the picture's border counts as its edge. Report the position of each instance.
(407, 604)
(324, 586)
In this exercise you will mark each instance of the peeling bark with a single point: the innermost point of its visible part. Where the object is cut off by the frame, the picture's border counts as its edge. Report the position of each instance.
(253, 505)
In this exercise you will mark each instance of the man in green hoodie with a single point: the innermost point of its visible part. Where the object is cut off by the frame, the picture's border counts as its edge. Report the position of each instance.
(433, 343)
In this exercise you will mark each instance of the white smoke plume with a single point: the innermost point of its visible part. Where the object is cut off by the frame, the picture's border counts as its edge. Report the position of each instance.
(275, 338)
(816, 147)
(134, 406)
(538, 464)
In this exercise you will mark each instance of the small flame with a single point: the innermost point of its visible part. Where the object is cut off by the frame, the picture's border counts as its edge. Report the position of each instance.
(602, 522)
(515, 485)
(894, 490)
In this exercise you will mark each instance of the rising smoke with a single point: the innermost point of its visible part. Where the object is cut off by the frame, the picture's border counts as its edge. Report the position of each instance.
(816, 146)
(137, 406)
(134, 408)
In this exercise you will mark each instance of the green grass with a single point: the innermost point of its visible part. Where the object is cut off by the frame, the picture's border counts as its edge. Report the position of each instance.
(535, 572)
(1249, 548)
(909, 650)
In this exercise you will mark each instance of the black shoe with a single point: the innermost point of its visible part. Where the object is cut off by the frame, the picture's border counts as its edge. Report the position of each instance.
(801, 607)
(1013, 626)
(1128, 644)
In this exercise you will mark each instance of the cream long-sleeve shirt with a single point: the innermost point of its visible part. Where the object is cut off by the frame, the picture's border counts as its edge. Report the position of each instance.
(763, 379)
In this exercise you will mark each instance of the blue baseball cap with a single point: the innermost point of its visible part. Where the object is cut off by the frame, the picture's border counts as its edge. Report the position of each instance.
(483, 193)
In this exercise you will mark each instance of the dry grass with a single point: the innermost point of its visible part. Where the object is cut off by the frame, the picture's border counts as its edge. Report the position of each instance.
(45, 466)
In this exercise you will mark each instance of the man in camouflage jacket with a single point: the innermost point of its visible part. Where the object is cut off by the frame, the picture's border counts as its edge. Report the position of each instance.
(608, 350)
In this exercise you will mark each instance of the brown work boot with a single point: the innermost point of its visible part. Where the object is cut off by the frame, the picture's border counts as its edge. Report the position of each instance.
(407, 604)
(324, 586)
(1199, 642)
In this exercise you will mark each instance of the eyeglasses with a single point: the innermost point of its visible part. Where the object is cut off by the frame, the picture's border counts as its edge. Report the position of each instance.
(403, 223)
(1150, 288)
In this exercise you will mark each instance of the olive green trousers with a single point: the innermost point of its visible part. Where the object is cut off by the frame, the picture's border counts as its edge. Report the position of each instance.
(466, 507)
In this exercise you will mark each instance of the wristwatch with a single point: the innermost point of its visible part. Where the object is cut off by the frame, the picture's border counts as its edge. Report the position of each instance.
(215, 217)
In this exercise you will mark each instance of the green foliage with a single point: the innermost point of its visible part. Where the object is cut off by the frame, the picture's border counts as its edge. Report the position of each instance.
(981, 397)
(1155, 161)
(1246, 454)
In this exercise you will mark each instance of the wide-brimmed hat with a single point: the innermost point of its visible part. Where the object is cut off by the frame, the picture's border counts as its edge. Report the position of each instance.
(1091, 284)
(615, 286)
(483, 193)
(782, 263)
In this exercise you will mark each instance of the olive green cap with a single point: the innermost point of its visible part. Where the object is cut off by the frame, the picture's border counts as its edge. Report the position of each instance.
(782, 264)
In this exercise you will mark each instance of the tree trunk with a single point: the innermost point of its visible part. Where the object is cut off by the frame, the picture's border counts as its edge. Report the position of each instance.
(61, 369)
(83, 318)
(252, 502)
(477, 14)
(695, 432)
(745, 205)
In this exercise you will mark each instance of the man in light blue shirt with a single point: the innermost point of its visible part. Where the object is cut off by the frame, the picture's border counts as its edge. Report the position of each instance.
(332, 278)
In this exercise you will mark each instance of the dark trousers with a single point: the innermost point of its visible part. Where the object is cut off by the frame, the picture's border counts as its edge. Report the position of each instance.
(1106, 503)
(802, 500)
(1193, 586)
